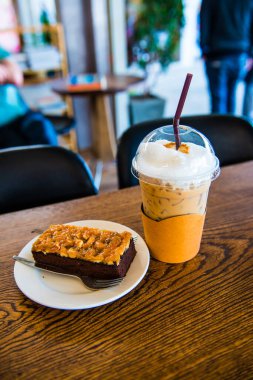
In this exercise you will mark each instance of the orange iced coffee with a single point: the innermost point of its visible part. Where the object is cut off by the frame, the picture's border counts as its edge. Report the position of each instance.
(174, 185)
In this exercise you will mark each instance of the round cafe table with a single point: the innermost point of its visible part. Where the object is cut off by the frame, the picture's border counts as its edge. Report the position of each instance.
(103, 130)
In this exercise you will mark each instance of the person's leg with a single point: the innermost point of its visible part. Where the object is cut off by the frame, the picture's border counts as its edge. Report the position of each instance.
(231, 100)
(37, 129)
(247, 109)
(236, 66)
(216, 75)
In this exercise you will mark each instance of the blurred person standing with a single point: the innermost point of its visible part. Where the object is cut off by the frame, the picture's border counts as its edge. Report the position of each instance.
(226, 41)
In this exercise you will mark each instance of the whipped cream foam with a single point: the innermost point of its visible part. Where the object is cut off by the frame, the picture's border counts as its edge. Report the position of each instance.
(160, 159)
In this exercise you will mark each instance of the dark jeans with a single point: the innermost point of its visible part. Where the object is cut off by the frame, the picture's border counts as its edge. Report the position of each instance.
(247, 109)
(223, 75)
(31, 129)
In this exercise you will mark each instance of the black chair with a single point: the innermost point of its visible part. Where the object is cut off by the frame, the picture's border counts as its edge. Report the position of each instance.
(38, 175)
(231, 137)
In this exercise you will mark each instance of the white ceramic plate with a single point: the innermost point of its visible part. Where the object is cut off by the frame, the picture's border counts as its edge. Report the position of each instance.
(63, 292)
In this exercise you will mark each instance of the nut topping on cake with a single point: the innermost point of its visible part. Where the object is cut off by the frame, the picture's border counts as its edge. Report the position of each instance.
(91, 244)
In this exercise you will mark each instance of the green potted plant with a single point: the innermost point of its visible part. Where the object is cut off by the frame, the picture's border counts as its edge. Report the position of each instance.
(153, 41)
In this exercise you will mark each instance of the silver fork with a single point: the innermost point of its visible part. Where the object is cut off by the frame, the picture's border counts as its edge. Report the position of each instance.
(90, 282)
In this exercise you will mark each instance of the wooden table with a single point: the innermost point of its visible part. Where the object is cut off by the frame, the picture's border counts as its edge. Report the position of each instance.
(184, 321)
(103, 129)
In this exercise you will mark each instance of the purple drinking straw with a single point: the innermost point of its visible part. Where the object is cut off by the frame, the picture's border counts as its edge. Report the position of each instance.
(179, 110)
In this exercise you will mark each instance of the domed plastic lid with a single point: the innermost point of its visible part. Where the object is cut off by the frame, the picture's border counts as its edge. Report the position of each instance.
(158, 161)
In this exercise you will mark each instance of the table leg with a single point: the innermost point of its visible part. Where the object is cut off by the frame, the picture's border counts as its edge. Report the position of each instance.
(103, 133)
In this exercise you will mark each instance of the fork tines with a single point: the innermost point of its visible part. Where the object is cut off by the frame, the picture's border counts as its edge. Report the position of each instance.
(108, 281)
(99, 283)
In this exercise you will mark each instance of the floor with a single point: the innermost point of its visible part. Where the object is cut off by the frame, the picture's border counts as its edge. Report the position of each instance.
(109, 180)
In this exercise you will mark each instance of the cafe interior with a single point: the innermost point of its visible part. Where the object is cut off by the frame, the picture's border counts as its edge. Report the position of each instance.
(126, 202)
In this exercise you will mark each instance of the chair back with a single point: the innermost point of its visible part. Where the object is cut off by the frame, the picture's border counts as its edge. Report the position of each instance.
(231, 137)
(38, 175)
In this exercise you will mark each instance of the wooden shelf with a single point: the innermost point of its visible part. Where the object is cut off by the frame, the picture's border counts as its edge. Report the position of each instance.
(38, 72)
(33, 77)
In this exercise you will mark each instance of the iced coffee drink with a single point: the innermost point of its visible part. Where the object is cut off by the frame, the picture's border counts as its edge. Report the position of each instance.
(174, 185)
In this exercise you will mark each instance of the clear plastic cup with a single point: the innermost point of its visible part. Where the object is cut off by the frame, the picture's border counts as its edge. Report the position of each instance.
(173, 199)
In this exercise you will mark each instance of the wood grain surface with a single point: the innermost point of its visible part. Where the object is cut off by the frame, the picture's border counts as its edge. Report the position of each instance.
(184, 321)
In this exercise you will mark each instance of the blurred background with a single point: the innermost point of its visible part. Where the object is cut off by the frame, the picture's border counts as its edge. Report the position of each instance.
(106, 36)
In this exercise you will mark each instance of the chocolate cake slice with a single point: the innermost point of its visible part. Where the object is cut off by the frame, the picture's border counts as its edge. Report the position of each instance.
(84, 251)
